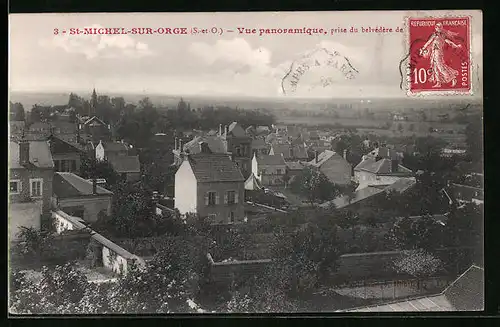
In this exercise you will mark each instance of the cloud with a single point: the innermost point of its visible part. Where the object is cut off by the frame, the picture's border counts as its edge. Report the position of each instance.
(237, 52)
(99, 46)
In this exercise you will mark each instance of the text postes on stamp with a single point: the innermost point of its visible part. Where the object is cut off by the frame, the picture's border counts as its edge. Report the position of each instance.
(439, 55)
(326, 66)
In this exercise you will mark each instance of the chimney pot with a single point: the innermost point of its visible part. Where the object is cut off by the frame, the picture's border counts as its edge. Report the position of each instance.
(175, 143)
(220, 129)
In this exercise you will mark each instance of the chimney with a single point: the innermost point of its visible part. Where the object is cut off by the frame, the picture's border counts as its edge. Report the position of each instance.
(24, 152)
(226, 130)
(175, 143)
(291, 152)
(316, 156)
(394, 165)
(345, 154)
(94, 186)
(180, 145)
(220, 129)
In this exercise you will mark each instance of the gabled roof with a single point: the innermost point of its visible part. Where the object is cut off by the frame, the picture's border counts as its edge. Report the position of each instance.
(59, 145)
(94, 119)
(252, 183)
(323, 157)
(114, 146)
(69, 185)
(40, 155)
(236, 130)
(270, 160)
(299, 151)
(214, 167)
(214, 143)
(399, 186)
(382, 167)
(125, 164)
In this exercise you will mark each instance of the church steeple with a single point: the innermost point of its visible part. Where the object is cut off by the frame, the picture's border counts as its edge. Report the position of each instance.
(93, 104)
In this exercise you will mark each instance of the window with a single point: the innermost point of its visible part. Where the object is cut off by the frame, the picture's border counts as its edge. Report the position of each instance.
(15, 187)
(230, 197)
(64, 165)
(211, 198)
(238, 151)
(36, 189)
(73, 165)
(231, 217)
(279, 171)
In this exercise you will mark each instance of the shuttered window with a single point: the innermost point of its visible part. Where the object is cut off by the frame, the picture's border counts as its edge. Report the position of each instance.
(211, 198)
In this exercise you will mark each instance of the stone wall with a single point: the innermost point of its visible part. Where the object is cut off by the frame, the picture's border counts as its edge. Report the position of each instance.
(114, 257)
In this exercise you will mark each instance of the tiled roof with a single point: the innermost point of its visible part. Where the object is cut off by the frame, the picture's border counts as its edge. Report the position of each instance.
(401, 185)
(126, 164)
(114, 146)
(214, 167)
(214, 143)
(324, 157)
(294, 165)
(359, 195)
(236, 130)
(466, 293)
(298, 151)
(68, 185)
(382, 166)
(40, 155)
(271, 160)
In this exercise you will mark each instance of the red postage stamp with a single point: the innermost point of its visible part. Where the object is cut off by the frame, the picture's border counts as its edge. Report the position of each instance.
(439, 55)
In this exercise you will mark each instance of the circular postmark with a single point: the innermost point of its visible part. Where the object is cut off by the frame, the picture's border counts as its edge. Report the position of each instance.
(323, 67)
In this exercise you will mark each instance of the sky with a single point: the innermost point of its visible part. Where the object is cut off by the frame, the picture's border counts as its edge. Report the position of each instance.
(230, 64)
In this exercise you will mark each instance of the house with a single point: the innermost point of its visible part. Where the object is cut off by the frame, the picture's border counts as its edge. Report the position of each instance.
(128, 167)
(269, 169)
(66, 155)
(360, 196)
(380, 167)
(259, 146)
(289, 152)
(231, 140)
(96, 128)
(31, 171)
(252, 183)
(108, 150)
(466, 293)
(239, 144)
(465, 193)
(294, 168)
(79, 197)
(210, 185)
(335, 167)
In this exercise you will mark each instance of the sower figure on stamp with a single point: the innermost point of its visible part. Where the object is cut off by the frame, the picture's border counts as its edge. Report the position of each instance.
(434, 48)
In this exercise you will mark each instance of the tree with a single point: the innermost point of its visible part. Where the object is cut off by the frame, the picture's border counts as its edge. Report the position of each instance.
(17, 111)
(414, 233)
(314, 185)
(92, 168)
(418, 263)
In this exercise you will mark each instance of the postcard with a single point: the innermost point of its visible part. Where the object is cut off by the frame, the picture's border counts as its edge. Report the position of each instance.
(256, 162)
